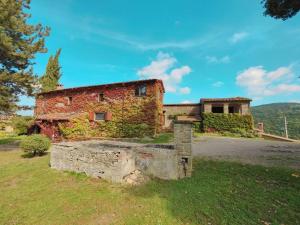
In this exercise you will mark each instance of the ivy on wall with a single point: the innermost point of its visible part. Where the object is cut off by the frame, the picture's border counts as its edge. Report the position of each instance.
(219, 122)
(131, 117)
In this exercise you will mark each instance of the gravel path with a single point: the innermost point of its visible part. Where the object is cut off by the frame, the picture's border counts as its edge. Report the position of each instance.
(253, 151)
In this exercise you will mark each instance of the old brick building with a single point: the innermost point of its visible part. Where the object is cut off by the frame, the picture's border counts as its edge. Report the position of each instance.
(110, 110)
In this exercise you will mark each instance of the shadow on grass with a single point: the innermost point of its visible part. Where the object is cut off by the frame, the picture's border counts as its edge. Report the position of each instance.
(229, 193)
(31, 155)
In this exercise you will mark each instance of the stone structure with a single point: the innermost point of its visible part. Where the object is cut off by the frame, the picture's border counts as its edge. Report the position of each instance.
(226, 105)
(115, 161)
(109, 109)
(193, 112)
(183, 144)
(186, 112)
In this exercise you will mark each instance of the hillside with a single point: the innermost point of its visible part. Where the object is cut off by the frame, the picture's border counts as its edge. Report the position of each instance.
(272, 115)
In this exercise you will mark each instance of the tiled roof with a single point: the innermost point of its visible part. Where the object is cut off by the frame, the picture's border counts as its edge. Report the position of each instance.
(56, 116)
(106, 85)
(234, 99)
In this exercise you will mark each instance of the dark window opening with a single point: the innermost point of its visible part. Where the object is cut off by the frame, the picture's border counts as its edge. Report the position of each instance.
(218, 109)
(231, 109)
(100, 97)
(141, 91)
(70, 99)
(99, 116)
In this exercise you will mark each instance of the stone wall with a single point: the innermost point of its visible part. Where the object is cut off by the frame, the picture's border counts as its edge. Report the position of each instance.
(172, 110)
(114, 161)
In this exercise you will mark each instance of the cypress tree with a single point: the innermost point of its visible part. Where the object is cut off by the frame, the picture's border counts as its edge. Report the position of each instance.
(19, 42)
(50, 79)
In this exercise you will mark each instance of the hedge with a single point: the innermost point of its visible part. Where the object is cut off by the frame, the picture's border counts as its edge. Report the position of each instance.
(214, 122)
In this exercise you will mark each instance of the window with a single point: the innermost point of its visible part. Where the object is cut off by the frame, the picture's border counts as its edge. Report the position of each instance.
(141, 90)
(99, 116)
(231, 109)
(217, 109)
(100, 97)
(70, 99)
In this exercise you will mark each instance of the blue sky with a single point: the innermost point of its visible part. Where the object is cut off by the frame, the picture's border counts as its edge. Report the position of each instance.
(199, 48)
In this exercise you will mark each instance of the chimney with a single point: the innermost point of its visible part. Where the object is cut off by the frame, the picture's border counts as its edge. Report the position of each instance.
(59, 87)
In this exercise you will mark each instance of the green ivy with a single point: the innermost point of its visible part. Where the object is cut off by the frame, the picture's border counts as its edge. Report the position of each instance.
(213, 122)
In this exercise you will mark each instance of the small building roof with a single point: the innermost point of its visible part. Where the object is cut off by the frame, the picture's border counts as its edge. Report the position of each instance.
(106, 85)
(233, 99)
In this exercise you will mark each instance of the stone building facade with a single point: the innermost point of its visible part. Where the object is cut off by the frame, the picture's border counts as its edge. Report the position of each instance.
(108, 110)
(193, 112)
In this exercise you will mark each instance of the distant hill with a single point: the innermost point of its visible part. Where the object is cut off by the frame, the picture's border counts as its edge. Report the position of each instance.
(272, 115)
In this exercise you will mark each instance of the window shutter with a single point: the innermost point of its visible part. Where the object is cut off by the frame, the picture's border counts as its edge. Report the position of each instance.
(108, 116)
(91, 116)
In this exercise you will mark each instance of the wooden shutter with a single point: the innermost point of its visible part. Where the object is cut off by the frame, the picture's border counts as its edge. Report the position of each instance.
(91, 116)
(108, 116)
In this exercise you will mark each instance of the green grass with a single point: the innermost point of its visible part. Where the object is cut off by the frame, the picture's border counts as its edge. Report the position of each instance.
(10, 139)
(218, 193)
(159, 139)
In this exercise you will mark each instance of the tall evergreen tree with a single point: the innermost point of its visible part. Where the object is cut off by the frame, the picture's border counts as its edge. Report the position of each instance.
(50, 79)
(19, 42)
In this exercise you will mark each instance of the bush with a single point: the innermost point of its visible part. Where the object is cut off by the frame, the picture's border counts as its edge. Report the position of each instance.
(136, 130)
(21, 124)
(226, 122)
(35, 144)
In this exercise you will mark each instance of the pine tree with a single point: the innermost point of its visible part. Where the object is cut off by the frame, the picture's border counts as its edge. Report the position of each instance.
(19, 42)
(50, 79)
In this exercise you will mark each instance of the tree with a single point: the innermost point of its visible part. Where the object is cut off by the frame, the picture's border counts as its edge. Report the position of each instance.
(281, 9)
(19, 42)
(50, 79)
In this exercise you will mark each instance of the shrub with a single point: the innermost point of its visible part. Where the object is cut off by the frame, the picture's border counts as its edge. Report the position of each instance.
(136, 130)
(226, 122)
(21, 124)
(197, 126)
(35, 144)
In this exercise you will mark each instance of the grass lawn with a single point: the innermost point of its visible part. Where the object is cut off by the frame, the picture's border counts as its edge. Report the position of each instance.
(161, 138)
(10, 139)
(218, 193)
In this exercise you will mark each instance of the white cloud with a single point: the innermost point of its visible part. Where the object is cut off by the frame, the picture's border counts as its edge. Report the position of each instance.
(186, 102)
(218, 84)
(163, 67)
(185, 90)
(236, 37)
(260, 83)
(214, 59)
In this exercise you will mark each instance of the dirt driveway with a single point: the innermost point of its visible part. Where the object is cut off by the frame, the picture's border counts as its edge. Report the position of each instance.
(253, 151)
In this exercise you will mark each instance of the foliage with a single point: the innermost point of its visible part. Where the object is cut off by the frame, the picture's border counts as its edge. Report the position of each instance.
(197, 126)
(240, 132)
(281, 9)
(19, 42)
(219, 122)
(78, 127)
(135, 130)
(81, 128)
(35, 144)
(217, 193)
(272, 115)
(8, 138)
(50, 80)
(21, 124)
